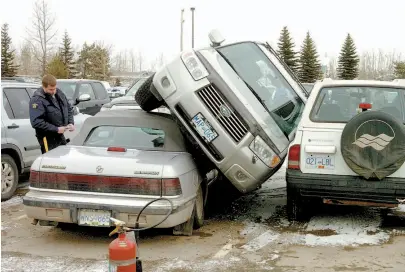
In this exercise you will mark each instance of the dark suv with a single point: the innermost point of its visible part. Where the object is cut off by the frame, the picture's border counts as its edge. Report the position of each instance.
(73, 88)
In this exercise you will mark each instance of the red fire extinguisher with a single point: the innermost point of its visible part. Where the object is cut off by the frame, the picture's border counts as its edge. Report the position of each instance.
(123, 255)
(122, 251)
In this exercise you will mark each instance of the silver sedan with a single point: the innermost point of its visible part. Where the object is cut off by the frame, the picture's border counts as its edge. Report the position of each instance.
(119, 161)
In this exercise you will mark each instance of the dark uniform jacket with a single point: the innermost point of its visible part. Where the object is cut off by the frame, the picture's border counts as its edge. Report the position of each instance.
(48, 113)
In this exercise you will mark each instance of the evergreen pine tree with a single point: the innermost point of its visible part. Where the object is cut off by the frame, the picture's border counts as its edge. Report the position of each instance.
(348, 60)
(67, 55)
(57, 68)
(286, 49)
(8, 67)
(399, 69)
(309, 65)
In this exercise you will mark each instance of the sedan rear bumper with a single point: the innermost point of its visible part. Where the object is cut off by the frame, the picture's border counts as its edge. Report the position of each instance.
(64, 207)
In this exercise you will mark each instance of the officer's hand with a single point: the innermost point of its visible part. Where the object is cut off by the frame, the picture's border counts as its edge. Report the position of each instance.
(61, 130)
(71, 127)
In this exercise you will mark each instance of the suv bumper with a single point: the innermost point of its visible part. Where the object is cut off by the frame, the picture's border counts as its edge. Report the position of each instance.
(347, 189)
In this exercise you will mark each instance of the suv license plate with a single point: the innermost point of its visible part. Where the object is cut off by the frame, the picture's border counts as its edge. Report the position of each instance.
(320, 161)
(204, 128)
(95, 218)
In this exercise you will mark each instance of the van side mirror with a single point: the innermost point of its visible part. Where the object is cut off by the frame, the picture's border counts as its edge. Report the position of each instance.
(82, 98)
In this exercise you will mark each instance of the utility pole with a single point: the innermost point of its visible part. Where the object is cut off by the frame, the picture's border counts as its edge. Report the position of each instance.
(192, 27)
(181, 29)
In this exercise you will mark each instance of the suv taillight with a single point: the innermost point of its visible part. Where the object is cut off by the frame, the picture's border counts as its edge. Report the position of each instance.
(294, 157)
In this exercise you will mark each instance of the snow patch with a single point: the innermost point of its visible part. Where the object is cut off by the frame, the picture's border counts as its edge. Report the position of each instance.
(401, 208)
(209, 265)
(348, 230)
(261, 241)
(14, 201)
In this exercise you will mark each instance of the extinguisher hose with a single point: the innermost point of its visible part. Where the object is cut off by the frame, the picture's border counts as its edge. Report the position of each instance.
(161, 221)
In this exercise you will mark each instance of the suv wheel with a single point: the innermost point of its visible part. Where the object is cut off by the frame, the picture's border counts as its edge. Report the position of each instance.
(296, 209)
(9, 177)
(145, 98)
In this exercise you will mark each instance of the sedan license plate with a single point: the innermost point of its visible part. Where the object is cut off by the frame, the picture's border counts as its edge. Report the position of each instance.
(320, 161)
(204, 128)
(95, 218)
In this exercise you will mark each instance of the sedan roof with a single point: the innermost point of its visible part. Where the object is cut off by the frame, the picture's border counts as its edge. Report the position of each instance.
(174, 141)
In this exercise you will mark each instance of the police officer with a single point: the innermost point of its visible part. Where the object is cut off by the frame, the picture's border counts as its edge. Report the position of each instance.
(50, 114)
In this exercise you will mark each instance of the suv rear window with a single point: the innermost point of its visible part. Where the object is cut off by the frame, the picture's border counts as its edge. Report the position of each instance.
(340, 104)
(129, 137)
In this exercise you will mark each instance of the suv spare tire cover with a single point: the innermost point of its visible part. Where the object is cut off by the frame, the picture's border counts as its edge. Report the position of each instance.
(373, 144)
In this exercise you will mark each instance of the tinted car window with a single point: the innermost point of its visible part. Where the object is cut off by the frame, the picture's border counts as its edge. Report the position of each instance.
(31, 91)
(266, 82)
(340, 104)
(68, 88)
(135, 87)
(129, 137)
(100, 90)
(19, 101)
(7, 107)
(85, 88)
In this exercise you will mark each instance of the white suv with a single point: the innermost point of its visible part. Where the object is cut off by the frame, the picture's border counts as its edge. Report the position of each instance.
(19, 146)
(349, 148)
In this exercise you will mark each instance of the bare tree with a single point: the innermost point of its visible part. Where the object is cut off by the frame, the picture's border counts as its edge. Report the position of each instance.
(133, 60)
(332, 73)
(42, 33)
(140, 60)
(26, 59)
(378, 65)
(158, 62)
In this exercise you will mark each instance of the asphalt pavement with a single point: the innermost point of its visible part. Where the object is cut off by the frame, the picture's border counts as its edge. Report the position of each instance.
(250, 233)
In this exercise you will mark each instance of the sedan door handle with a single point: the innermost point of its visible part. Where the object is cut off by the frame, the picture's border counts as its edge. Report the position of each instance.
(13, 126)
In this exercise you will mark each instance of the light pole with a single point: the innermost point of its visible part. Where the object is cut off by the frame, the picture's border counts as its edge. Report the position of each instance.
(192, 27)
(181, 29)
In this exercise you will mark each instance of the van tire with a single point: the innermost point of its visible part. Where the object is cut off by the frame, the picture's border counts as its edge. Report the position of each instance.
(145, 98)
(9, 161)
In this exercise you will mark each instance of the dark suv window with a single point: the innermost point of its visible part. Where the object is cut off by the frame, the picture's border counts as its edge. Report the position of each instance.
(85, 88)
(7, 107)
(101, 92)
(19, 101)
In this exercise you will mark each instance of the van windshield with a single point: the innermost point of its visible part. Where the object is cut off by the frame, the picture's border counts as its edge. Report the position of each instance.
(266, 82)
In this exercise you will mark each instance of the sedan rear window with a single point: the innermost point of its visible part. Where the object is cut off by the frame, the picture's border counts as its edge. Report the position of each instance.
(340, 104)
(128, 137)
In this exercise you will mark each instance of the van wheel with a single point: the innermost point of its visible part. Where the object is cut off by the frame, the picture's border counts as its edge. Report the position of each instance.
(145, 98)
(296, 209)
(9, 177)
(199, 209)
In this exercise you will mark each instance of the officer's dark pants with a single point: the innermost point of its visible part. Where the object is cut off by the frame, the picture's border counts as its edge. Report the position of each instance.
(53, 141)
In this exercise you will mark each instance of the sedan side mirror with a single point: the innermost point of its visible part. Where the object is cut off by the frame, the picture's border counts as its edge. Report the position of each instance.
(82, 98)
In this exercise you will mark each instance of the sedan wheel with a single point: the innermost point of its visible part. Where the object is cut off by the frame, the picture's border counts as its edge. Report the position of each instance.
(199, 209)
(9, 177)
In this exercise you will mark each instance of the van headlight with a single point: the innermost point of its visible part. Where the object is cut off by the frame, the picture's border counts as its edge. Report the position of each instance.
(194, 65)
(264, 152)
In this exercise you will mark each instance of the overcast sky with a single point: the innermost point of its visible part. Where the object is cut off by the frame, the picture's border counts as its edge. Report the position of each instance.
(153, 26)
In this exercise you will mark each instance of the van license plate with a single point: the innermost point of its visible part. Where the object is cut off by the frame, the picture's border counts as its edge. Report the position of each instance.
(95, 218)
(204, 128)
(320, 161)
